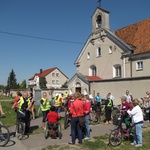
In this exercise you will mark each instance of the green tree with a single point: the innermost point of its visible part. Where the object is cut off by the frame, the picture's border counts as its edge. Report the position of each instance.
(23, 84)
(64, 85)
(12, 81)
(42, 82)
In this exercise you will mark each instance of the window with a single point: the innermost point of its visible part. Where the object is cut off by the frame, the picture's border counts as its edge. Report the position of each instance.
(88, 55)
(53, 81)
(117, 71)
(92, 71)
(110, 49)
(98, 21)
(57, 74)
(57, 81)
(53, 74)
(98, 51)
(139, 65)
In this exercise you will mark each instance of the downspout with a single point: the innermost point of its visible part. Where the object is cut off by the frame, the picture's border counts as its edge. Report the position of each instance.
(124, 68)
(130, 66)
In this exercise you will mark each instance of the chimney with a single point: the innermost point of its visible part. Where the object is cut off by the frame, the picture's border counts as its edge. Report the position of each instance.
(41, 70)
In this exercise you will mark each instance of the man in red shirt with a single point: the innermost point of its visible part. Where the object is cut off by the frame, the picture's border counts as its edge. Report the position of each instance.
(52, 116)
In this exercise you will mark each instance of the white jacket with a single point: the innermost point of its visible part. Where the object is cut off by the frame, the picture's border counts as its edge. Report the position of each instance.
(136, 114)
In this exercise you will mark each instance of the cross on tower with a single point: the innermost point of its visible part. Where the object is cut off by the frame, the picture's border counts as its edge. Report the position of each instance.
(99, 3)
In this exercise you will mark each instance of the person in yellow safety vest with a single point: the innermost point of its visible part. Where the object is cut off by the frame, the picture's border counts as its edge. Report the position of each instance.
(45, 107)
(24, 106)
(58, 103)
(108, 108)
(65, 97)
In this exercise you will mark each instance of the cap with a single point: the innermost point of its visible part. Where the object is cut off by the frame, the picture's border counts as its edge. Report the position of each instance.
(123, 97)
(57, 94)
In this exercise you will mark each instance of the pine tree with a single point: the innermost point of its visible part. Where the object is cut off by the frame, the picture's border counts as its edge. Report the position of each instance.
(12, 81)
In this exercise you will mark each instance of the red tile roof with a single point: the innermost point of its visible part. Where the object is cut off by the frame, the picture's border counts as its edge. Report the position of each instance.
(45, 73)
(137, 34)
(93, 78)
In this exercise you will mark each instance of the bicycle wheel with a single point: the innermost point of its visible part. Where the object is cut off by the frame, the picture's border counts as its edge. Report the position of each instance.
(95, 116)
(46, 132)
(66, 121)
(4, 135)
(59, 131)
(115, 137)
(20, 130)
(115, 112)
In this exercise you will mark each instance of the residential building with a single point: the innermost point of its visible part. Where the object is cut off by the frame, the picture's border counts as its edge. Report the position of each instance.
(54, 78)
(113, 61)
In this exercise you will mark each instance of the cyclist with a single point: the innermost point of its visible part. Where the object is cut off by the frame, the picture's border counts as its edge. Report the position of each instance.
(16, 99)
(32, 104)
(124, 107)
(1, 111)
(108, 108)
(58, 103)
(24, 105)
(45, 107)
(98, 99)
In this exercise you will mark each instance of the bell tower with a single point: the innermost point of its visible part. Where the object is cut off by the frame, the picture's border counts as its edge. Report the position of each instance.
(100, 19)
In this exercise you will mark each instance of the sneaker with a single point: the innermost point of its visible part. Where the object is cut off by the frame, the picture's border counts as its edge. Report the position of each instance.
(70, 143)
(132, 143)
(86, 138)
(137, 145)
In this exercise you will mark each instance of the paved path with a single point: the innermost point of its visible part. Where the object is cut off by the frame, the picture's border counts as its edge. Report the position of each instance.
(37, 141)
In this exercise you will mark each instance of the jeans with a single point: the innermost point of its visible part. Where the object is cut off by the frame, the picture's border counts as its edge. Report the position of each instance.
(76, 130)
(44, 115)
(138, 134)
(58, 109)
(87, 126)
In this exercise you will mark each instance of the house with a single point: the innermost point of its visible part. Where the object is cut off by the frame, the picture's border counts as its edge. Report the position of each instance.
(54, 77)
(113, 61)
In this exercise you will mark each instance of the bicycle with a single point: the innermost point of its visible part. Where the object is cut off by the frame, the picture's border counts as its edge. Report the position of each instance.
(95, 114)
(20, 125)
(119, 133)
(67, 119)
(4, 135)
(115, 111)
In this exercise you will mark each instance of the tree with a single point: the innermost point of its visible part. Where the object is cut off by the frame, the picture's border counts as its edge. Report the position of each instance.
(12, 82)
(64, 85)
(42, 82)
(23, 84)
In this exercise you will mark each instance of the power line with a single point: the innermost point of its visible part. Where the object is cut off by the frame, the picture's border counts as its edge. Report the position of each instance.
(40, 38)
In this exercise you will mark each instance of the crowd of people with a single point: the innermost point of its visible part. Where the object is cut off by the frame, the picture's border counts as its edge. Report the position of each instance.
(79, 106)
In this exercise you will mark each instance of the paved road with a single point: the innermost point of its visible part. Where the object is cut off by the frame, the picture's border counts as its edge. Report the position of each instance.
(37, 142)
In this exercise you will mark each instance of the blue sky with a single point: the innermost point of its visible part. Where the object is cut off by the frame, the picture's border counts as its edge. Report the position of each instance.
(64, 26)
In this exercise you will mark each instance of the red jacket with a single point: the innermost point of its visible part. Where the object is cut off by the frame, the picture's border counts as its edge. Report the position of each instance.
(87, 107)
(77, 108)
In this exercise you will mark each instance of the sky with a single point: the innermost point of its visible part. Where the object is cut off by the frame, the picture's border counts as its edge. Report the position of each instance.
(42, 34)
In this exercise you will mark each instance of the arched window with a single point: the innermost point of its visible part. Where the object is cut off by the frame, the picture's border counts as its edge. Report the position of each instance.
(88, 55)
(98, 21)
(92, 71)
